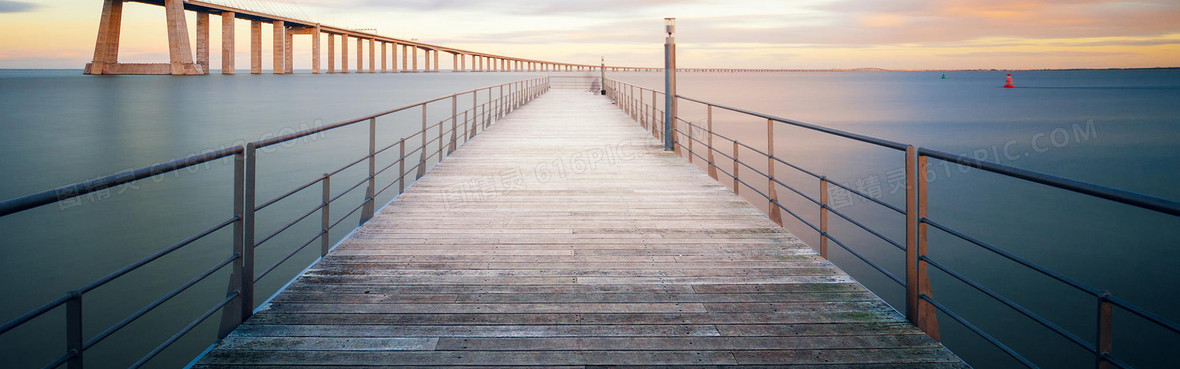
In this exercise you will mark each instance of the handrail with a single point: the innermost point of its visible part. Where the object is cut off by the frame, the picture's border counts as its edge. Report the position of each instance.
(920, 304)
(238, 304)
(67, 192)
(1113, 194)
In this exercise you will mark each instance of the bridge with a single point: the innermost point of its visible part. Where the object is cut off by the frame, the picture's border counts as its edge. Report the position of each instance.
(182, 60)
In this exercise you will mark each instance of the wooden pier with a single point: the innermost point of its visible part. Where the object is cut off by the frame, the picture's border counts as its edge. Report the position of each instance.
(566, 237)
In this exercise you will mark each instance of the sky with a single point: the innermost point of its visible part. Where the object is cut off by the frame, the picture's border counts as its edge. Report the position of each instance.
(795, 34)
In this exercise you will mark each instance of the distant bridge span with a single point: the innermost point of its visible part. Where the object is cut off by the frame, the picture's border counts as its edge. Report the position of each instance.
(182, 60)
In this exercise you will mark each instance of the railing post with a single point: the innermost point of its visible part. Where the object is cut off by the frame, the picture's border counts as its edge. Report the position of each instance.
(1105, 330)
(776, 214)
(911, 234)
(736, 188)
(422, 160)
(474, 116)
(454, 123)
(74, 330)
(691, 147)
(654, 113)
(669, 84)
(249, 197)
(231, 315)
(326, 215)
(927, 319)
(823, 217)
(712, 163)
(401, 166)
(370, 192)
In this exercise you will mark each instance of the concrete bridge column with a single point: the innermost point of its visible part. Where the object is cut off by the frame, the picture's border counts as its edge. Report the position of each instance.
(227, 43)
(315, 50)
(405, 58)
(393, 60)
(106, 47)
(426, 60)
(360, 55)
(280, 47)
(331, 53)
(436, 61)
(179, 49)
(384, 57)
(289, 50)
(372, 56)
(255, 47)
(455, 63)
(414, 64)
(203, 41)
(344, 53)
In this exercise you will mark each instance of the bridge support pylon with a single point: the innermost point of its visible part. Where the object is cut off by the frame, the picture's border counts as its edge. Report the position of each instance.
(180, 51)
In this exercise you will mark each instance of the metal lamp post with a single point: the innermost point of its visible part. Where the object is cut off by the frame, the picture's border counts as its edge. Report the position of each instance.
(669, 83)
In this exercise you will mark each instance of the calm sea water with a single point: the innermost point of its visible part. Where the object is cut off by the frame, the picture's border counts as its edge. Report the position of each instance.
(1116, 128)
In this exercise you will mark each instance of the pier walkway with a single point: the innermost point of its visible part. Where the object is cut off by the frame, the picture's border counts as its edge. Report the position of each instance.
(565, 237)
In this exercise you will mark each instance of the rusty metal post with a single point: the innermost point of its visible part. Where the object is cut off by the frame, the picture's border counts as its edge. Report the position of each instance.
(927, 319)
(454, 123)
(736, 162)
(422, 160)
(326, 215)
(401, 166)
(823, 217)
(370, 192)
(712, 163)
(776, 214)
(911, 234)
(1105, 330)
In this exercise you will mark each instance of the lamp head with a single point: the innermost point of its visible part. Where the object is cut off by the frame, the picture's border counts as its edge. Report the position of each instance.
(670, 26)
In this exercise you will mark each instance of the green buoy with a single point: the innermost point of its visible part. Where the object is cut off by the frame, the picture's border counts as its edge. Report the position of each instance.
(944, 76)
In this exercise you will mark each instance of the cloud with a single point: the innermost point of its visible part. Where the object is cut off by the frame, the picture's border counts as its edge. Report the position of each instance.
(16, 6)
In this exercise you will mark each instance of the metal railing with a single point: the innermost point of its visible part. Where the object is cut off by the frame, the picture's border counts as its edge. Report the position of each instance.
(583, 83)
(920, 305)
(239, 304)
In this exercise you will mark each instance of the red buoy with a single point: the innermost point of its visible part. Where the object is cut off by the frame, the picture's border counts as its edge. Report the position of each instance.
(1009, 84)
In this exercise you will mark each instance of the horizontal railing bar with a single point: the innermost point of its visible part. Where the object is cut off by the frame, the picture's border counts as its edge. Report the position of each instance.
(23, 203)
(349, 165)
(980, 332)
(1131, 308)
(364, 180)
(289, 255)
(1114, 360)
(864, 259)
(849, 135)
(896, 244)
(288, 194)
(156, 255)
(289, 225)
(61, 360)
(185, 330)
(345, 217)
(1121, 196)
(1011, 304)
(160, 301)
(1029, 264)
(33, 314)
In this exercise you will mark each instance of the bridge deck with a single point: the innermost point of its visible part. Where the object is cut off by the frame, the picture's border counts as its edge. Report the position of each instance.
(564, 238)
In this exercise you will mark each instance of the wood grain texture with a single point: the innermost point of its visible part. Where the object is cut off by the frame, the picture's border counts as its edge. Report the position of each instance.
(564, 238)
